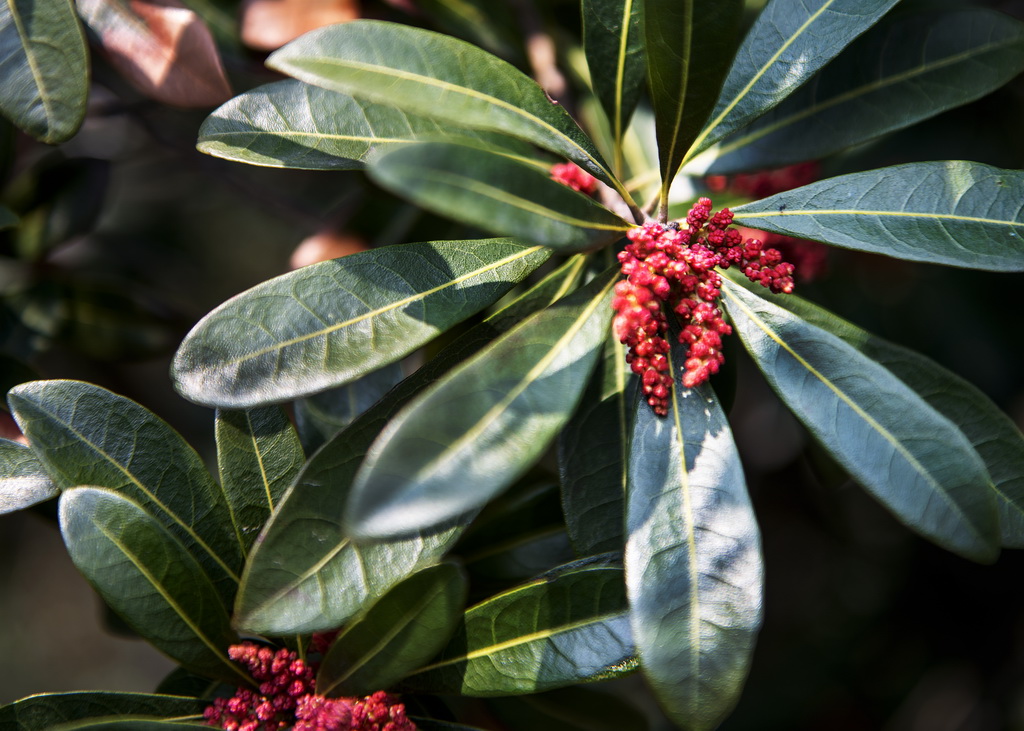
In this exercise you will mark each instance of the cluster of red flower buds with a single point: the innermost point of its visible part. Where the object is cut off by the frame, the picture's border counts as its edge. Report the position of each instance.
(286, 698)
(669, 267)
(574, 177)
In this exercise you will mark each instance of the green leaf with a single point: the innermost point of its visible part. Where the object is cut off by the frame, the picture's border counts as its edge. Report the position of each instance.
(46, 68)
(569, 628)
(49, 710)
(483, 425)
(693, 558)
(440, 77)
(903, 451)
(295, 125)
(7, 218)
(259, 455)
(330, 323)
(149, 579)
(896, 75)
(86, 435)
(498, 193)
(23, 479)
(689, 46)
(575, 708)
(320, 416)
(614, 46)
(305, 574)
(788, 43)
(993, 434)
(592, 453)
(401, 631)
(959, 213)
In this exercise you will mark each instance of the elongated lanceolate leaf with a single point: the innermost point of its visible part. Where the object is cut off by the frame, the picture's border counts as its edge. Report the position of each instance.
(614, 46)
(23, 479)
(789, 42)
(896, 74)
(497, 193)
(570, 628)
(960, 213)
(45, 66)
(693, 558)
(592, 456)
(259, 455)
(50, 710)
(482, 426)
(993, 434)
(149, 579)
(305, 574)
(437, 76)
(405, 628)
(86, 435)
(689, 46)
(330, 323)
(903, 451)
(295, 125)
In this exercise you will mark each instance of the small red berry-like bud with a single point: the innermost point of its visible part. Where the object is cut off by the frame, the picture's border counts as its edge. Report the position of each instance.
(574, 177)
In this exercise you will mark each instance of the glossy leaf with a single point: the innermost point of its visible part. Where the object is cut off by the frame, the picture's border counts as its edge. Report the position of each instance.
(566, 629)
(324, 579)
(401, 631)
(259, 455)
(45, 68)
(897, 74)
(437, 76)
(86, 435)
(295, 125)
(483, 425)
(689, 47)
(592, 451)
(149, 579)
(994, 436)
(614, 46)
(960, 213)
(50, 710)
(23, 479)
(903, 451)
(693, 558)
(789, 42)
(330, 323)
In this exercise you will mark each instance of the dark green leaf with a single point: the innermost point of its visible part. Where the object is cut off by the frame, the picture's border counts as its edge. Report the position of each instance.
(324, 579)
(182, 682)
(613, 43)
(788, 43)
(993, 434)
(490, 25)
(129, 724)
(566, 629)
(86, 435)
(909, 456)
(897, 74)
(23, 479)
(149, 579)
(693, 558)
(498, 193)
(48, 710)
(436, 76)
(401, 631)
(689, 46)
(320, 416)
(259, 455)
(46, 68)
(592, 456)
(333, 322)
(575, 708)
(959, 213)
(432, 724)
(479, 428)
(295, 125)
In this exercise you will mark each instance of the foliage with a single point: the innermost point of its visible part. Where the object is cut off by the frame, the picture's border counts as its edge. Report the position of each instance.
(351, 537)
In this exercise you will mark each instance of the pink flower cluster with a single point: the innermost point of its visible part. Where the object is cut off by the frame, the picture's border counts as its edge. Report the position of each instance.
(575, 177)
(286, 698)
(671, 267)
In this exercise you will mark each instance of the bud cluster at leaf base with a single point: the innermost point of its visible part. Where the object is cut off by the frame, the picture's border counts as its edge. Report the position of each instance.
(669, 267)
(286, 698)
(574, 177)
